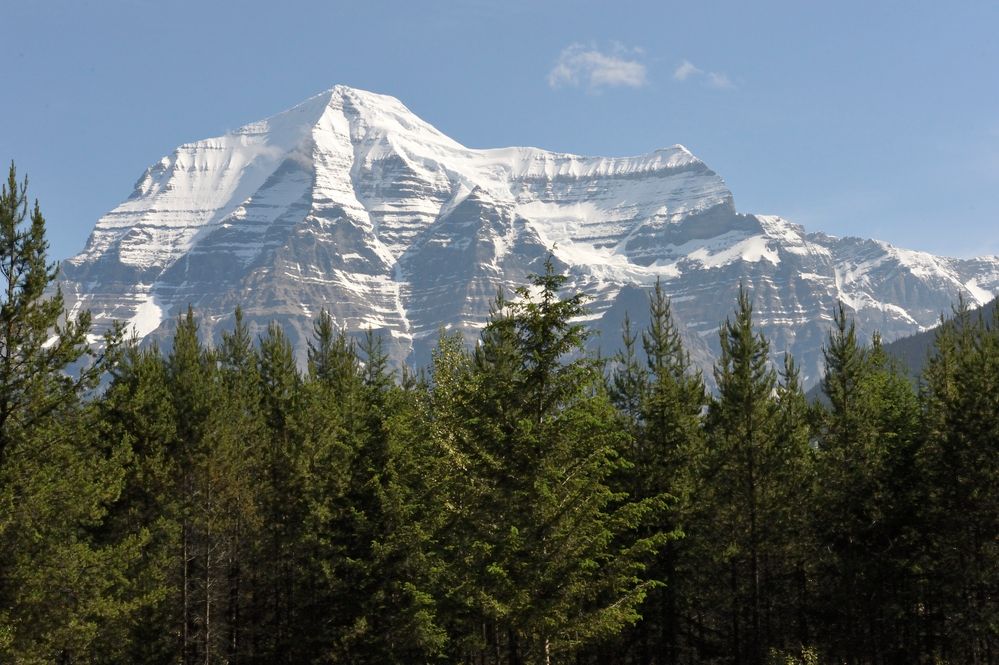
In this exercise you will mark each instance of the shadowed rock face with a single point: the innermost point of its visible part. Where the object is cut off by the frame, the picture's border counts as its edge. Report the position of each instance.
(350, 202)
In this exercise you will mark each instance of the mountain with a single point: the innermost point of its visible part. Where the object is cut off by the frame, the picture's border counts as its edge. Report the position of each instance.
(350, 202)
(913, 350)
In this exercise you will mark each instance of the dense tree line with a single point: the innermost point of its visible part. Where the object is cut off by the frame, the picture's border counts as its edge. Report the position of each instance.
(520, 502)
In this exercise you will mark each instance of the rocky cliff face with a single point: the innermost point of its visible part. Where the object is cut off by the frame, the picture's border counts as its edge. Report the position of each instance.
(350, 202)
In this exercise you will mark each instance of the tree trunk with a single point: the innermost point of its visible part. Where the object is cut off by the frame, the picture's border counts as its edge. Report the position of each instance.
(513, 648)
(208, 572)
(184, 598)
(736, 642)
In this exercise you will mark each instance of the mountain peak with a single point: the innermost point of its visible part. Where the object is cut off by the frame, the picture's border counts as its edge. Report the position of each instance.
(349, 201)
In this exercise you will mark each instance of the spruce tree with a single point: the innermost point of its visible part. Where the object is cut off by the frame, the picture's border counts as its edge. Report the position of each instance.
(789, 566)
(61, 595)
(668, 445)
(740, 422)
(376, 519)
(628, 379)
(864, 503)
(240, 476)
(960, 465)
(194, 393)
(39, 342)
(283, 500)
(751, 475)
(550, 559)
(138, 408)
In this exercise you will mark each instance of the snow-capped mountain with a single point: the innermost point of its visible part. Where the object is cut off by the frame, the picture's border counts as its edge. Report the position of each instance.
(350, 202)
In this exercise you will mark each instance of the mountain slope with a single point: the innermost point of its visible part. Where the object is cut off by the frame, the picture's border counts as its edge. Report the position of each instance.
(349, 201)
(912, 351)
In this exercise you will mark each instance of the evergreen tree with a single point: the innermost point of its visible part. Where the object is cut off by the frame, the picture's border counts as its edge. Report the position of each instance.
(789, 563)
(549, 559)
(39, 343)
(844, 370)
(864, 503)
(376, 519)
(61, 590)
(194, 393)
(512, 506)
(240, 477)
(399, 619)
(740, 422)
(377, 377)
(283, 580)
(138, 408)
(751, 495)
(628, 380)
(333, 361)
(669, 441)
(336, 372)
(960, 464)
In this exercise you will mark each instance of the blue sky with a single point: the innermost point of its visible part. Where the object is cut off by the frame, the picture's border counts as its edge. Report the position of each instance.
(878, 119)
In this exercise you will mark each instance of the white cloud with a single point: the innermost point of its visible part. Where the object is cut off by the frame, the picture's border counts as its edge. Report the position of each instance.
(579, 65)
(685, 70)
(720, 81)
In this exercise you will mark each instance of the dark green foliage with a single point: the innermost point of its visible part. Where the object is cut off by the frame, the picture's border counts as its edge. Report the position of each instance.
(64, 590)
(960, 461)
(138, 408)
(866, 441)
(546, 557)
(510, 506)
(739, 482)
(629, 380)
(914, 351)
(37, 339)
(662, 399)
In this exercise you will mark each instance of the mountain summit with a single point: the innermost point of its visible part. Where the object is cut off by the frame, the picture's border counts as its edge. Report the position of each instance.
(352, 203)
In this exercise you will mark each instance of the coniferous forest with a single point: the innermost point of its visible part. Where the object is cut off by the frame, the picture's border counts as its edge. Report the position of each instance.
(522, 502)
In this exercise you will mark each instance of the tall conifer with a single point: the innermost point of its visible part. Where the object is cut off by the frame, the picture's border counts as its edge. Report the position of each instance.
(60, 590)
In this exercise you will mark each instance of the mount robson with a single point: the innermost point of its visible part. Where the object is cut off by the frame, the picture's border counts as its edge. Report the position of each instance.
(351, 203)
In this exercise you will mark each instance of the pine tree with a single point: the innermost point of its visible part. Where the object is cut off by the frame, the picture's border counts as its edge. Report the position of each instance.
(374, 519)
(549, 559)
(336, 372)
(668, 442)
(864, 505)
(628, 380)
(844, 370)
(138, 408)
(960, 465)
(847, 468)
(60, 591)
(749, 506)
(39, 343)
(283, 500)
(401, 524)
(375, 362)
(789, 565)
(239, 475)
(332, 358)
(194, 393)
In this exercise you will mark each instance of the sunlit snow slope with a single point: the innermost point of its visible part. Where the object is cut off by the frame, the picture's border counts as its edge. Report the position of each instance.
(350, 202)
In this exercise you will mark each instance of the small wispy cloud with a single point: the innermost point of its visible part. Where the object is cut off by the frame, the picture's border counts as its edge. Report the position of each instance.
(720, 81)
(587, 66)
(687, 70)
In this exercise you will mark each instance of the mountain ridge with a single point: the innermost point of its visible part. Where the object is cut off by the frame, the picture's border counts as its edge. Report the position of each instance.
(351, 202)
